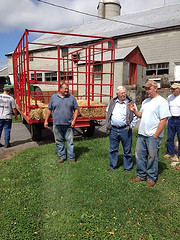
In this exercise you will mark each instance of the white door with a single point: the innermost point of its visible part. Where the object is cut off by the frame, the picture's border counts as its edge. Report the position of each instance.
(177, 72)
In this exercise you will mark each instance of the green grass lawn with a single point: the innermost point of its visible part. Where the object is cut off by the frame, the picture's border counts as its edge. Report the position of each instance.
(16, 121)
(40, 199)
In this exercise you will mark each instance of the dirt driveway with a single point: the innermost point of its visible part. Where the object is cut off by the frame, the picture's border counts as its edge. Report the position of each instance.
(21, 139)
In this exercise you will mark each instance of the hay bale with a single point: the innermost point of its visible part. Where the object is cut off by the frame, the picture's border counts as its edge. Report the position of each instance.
(44, 112)
(39, 103)
(91, 111)
(32, 112)
(84, 111)
(38, 114)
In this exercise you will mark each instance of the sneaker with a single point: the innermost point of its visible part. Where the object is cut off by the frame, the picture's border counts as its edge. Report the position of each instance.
(137, 179)
(1, 145)
(150, 183)
(60, 160)
(174, 164)
(7, 146)
(168, 156)
(175, 158)
(73, 160)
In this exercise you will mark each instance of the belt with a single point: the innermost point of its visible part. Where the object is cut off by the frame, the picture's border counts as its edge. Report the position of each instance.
(119, 127)
(175, 116)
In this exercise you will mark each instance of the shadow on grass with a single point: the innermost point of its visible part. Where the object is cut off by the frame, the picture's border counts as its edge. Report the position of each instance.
(81, 137)
(161, 167)
(120, 160)
(79, 151)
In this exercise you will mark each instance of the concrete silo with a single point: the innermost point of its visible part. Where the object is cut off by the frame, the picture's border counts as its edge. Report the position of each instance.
(108, 8)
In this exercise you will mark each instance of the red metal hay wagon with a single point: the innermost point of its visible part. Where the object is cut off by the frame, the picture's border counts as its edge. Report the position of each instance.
(40, 66)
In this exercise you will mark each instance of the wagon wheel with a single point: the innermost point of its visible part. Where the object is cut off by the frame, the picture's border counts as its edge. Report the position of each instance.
(89, 131)
(39, 94)
(23, 120)
(35, 131)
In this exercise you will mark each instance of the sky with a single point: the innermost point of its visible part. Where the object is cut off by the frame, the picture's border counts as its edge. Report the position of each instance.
(18, 15)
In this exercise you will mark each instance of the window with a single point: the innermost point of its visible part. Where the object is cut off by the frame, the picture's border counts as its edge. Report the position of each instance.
(38, 77)
(64, 51)
(114, 44)
(157, 69)
(66, 76)
(76, 57)
(51, 76)
(30, 57)
(97, 71)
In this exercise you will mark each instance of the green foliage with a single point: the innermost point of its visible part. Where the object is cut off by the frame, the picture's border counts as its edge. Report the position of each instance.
(40, 199)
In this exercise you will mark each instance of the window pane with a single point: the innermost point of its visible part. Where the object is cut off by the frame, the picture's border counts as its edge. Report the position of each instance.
(163, 71)
(64, 51)
(151, 72)
(51, 76)
(157, 69)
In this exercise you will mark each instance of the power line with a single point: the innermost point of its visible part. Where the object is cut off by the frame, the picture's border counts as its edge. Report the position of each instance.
(92, 15)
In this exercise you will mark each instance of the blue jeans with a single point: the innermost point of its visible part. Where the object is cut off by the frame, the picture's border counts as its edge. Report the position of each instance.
(173, 128)
(125, 136)
(6, 124)
(62, 133)
(147, 166)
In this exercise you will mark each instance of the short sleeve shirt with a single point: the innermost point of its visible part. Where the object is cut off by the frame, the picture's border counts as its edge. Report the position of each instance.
(153, 110)
(62, 109)
(174, 105)
(7, 104)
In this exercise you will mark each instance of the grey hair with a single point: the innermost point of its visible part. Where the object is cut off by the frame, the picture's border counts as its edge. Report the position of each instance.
(120, 88)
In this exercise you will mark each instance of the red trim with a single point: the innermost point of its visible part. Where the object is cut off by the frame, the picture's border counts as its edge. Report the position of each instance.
(132, 74)
(136, 57)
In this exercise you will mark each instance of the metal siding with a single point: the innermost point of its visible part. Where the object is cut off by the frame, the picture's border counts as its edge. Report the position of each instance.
(154, 18)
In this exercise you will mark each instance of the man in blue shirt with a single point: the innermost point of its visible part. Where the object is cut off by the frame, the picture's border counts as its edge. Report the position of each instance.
(62, 106)
(120, 121)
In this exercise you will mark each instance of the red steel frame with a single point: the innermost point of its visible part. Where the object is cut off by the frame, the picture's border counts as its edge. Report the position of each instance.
(72, 66)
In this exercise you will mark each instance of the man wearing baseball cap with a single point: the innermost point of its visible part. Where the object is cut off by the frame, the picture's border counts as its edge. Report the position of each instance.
(153, 113)
(173, 122)
(7, 106)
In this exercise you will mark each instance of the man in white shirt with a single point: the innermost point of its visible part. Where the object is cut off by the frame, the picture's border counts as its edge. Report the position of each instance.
(153, 113)
(173, 121)
(7, 106)
(120, 121)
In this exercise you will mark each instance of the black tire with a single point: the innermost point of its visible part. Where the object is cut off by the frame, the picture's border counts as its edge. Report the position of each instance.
(36, 131)
(89, 131)
(39, 94)
(37, 89)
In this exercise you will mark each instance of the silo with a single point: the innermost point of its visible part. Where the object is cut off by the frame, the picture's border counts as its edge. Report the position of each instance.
(101, 10)
(108, 8)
